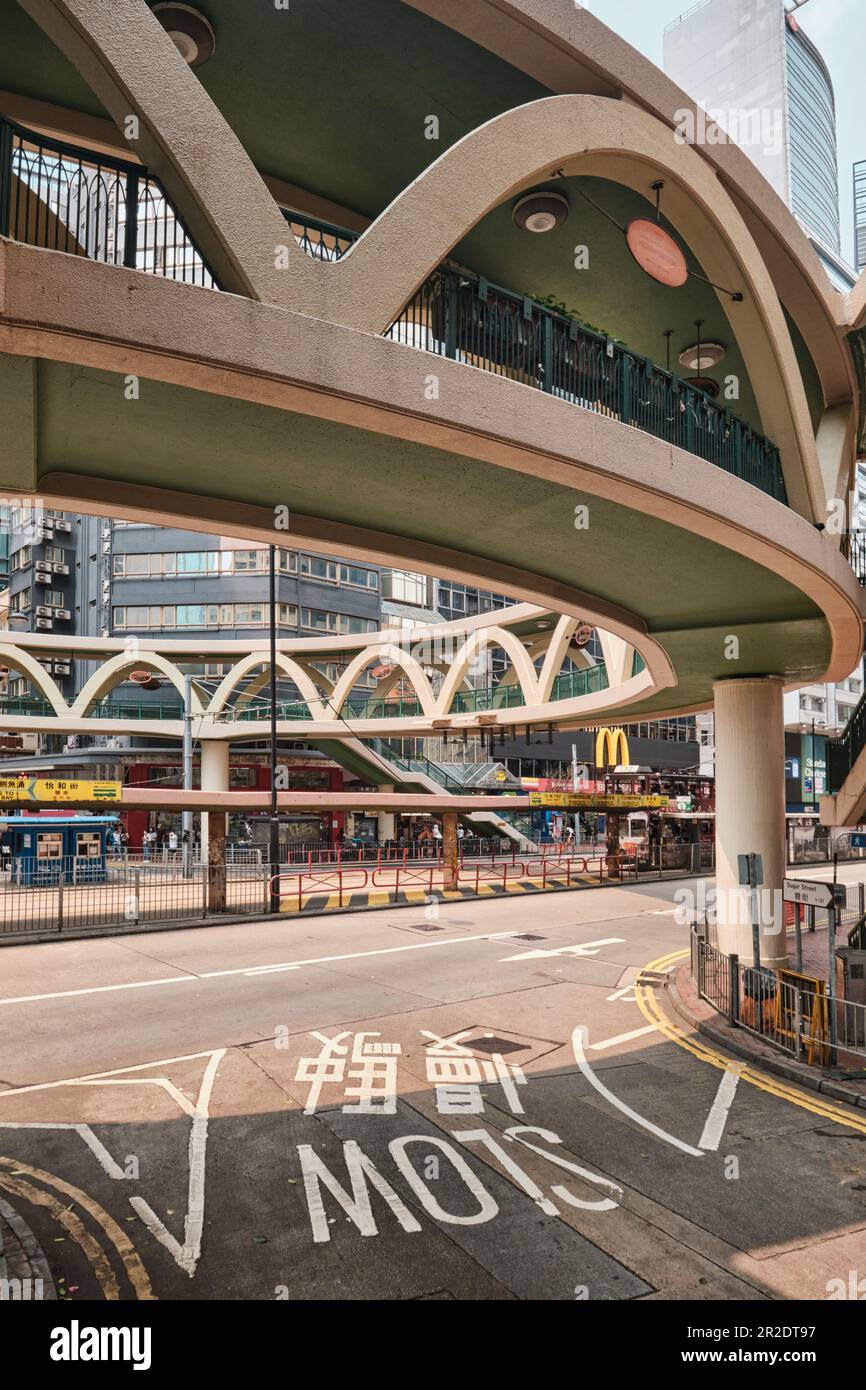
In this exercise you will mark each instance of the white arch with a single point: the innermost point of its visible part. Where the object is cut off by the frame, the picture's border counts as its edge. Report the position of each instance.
(413, 671)
(286, 664)
(112, 672)
(18, 660)
(472, 647)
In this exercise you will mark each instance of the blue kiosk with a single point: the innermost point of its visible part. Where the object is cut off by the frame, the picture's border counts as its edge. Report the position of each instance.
(40, 850)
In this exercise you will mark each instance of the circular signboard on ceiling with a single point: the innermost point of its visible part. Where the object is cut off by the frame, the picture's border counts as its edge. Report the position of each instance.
(656, 252)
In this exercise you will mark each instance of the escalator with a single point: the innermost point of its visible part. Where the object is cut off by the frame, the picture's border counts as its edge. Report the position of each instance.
(376, 762)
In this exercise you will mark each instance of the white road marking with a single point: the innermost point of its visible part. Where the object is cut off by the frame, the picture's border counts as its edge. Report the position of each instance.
(578, 1042)
(626, 994)
(588, 948)
(100, 1152)
(96, 1076)
(621, 1038)
(717, 1118)
(251, 970)
(188, 1254)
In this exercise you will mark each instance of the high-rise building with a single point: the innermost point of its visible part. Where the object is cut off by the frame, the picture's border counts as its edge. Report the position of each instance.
(751, 64)
(860, 215)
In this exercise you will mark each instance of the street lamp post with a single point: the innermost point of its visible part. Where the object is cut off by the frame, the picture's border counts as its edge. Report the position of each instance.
(274, 852)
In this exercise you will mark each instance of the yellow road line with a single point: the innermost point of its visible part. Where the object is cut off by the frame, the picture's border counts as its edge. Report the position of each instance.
(71, 1223)
(651, 1010)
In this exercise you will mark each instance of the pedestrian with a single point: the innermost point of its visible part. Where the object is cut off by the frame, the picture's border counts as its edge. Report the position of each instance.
(172, 844)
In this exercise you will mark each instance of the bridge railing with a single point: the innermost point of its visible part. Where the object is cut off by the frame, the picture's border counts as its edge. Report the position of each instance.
(460, 315)
(64, 197)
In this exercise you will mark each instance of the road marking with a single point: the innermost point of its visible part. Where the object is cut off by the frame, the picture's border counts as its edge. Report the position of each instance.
(621, 1038)
(578, 1042)
(135, 1270)
(717, 1118)
(649, 1007)
(188, 1254)
(252, 970)
(588, 948)
(98, 1149)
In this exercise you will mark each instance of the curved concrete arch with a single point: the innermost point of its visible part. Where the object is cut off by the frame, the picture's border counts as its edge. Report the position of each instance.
(129, 62)
(289, 668)
(18, 660)
(609, 139)
(112, 672)
(567, 49)
(472, 647)
(413, 670)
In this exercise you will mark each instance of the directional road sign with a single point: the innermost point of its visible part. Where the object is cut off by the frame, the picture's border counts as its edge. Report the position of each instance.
(813, 893)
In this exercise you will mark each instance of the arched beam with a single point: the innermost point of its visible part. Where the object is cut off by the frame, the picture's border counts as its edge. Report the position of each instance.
(113, 671)
(588, 135)
(129, 62)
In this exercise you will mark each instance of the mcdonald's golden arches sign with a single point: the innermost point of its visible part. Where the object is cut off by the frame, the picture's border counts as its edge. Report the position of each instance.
(609, 742)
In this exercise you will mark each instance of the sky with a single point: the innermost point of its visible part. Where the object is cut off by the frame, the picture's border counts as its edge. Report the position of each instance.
(836, 27)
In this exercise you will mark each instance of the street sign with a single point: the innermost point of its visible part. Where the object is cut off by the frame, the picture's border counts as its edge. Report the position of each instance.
(58, 790)
(813, 894)
(858, 841)
(750, 869)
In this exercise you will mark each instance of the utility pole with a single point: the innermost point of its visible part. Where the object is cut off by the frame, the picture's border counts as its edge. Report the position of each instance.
(575, 782)
(186, 820)
(274, 854)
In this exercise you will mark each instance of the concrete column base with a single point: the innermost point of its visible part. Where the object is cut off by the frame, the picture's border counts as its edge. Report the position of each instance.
(750, 813)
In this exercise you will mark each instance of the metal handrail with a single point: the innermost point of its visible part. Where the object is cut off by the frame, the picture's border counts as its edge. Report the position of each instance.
(463, 316)
(65, 197)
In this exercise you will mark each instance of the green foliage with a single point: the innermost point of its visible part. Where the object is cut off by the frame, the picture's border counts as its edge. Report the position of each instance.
(558, 306)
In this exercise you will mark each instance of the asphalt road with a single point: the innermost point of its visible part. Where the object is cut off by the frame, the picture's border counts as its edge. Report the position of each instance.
(467, 1102)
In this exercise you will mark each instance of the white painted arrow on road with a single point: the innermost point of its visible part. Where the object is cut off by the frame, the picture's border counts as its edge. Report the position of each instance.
(587, 948)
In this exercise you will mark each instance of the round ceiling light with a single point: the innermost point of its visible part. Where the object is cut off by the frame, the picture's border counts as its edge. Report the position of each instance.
(540, 212)
(699, 357)
(705, 384)
(189, 31)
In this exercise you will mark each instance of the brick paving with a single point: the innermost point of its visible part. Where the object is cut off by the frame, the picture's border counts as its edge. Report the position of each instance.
(24, 1272)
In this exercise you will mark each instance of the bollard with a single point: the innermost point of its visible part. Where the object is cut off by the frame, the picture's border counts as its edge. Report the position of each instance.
(60, 902)
(733, 990)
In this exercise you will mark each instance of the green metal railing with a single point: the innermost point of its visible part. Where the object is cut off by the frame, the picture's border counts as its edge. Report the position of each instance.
(853, 547)
(842, 753)
(410, 765)
(568, 686)
(322, 240)
(66, 198)
(463, 316)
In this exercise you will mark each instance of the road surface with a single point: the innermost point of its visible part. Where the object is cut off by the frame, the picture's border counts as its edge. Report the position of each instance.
(465, 1101)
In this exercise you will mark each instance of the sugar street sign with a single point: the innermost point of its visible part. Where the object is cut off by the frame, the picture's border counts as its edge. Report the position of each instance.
(813, 894)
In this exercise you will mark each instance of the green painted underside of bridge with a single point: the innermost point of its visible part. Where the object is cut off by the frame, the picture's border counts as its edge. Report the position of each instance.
(692, 593)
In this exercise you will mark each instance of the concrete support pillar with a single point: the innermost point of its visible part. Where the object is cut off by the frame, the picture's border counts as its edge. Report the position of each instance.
(750, 812)
(449, 849)
(216, 862)
(387, 819)
(214, 778)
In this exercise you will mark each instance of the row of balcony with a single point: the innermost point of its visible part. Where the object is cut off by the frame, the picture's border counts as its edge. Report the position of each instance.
(67, 198)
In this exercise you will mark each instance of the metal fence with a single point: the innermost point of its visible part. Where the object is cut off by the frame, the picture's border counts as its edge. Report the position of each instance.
(792, 1012)
(463, 316)
(65, 895)
(67, 198)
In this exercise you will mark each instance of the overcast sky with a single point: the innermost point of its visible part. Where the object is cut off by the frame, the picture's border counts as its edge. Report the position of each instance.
(836, 27)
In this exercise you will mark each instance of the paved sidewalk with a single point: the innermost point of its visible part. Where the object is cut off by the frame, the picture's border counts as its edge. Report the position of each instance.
(24, 1272)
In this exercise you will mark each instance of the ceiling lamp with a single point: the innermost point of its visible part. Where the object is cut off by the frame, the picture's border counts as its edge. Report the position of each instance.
(189, 31)
(701, 356)
(540, 212)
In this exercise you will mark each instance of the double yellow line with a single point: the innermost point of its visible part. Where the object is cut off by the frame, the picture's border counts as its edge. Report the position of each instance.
(648, 1004)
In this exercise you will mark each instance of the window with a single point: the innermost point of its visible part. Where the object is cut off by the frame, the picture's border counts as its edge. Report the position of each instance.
(326, 570)
(287, 615)
(55, 554)
(21, 558)
(21, 601)
(322, 620)
(53, 598)
(287, 561)
(201, 615)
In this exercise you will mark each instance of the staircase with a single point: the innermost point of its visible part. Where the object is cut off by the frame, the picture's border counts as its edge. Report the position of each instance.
(846, 773)
(378, 763)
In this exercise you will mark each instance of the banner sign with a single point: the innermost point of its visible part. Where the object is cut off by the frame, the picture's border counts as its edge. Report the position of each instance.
(56, 789)
(587, 802)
